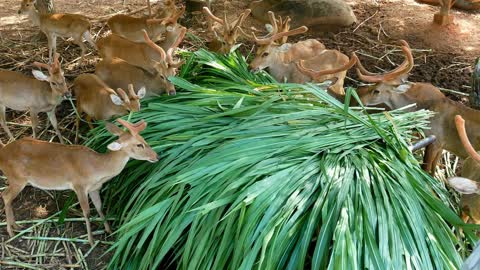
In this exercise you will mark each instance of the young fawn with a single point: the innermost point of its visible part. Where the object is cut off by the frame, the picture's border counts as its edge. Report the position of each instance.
(43, 94)
(74, 167)
(59, 24)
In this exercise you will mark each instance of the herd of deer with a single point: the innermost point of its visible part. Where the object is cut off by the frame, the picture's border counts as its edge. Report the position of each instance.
(131, 59)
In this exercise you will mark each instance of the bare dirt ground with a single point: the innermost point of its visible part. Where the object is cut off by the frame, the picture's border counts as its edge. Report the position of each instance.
(443, 56)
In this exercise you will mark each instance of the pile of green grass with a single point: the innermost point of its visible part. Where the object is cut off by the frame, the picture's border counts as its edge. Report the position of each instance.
(254, 174)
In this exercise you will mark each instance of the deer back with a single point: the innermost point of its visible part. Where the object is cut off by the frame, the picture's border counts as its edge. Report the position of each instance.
(131, 27)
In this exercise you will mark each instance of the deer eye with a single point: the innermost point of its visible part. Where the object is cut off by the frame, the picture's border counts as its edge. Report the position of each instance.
(140, 145)
(265, 54)
(376, 92)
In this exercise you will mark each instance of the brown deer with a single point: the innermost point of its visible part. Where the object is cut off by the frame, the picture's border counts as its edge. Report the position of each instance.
(141, 54)
(40, 94)
(280, 57)
(469, 182)
(59, 24)
(327, 65)
(392, 90)
(225, 33)
(118, 73)
(74, 167)
(100, 102)
(131, 27)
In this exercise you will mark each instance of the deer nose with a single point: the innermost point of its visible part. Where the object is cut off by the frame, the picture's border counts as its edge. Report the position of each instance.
(67, 95)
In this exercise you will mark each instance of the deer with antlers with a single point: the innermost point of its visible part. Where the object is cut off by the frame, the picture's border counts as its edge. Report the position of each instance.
(100, 102)
(131, 27)
(280, 57)
(140, 54)
(469, 182)
(53, 166)
(118, 73)
(225, 33)
(59, 24)
(392, 90)
(40, 94)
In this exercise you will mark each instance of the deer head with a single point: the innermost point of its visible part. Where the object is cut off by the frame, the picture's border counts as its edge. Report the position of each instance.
(167, 66)
(274, 44)
(56, 78)
(225, 33)
(130, 101)
(388, 88)
(130, 141)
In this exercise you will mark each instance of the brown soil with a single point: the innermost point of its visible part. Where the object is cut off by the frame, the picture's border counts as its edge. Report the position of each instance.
(443, 57)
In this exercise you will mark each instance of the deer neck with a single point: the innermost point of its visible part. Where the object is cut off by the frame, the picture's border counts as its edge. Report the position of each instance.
(111, 164)
(34, 16)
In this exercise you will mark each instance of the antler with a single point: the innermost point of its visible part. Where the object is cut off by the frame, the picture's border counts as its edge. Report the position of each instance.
(316, 74)
(123, 95)
(173, 19)
(404, 68)
(133, 128)
(462, 133)
(171, 50)
(131, 91)
(284, 27)
(51, 68)
(209, 13)
(238, 23)
(270, 40)
(152, 44)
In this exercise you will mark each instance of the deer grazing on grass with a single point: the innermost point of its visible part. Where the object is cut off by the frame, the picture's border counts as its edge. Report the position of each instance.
(392, 90)
(59, 24)
(74, 167)
(280, 57)
(118, 73)
(469, 182)
(225, 33)
(40, 94)
(100, 102)
(140, 54)
(131, 27)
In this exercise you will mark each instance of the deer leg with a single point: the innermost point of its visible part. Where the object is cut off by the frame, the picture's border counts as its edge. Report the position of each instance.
(88, 118)
(95, 197)
(78, 40)
(14, 188)
(52, 46)
(34, 119)
(4, 123)
(88, 37)
(83, 199)
(429, 158)
(53, 119)
(77, 122)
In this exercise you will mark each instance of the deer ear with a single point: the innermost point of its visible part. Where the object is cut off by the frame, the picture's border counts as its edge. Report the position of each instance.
(285, 47)
(141, 93)
(464, 185)
(114, 129)
(39, 75)
(114, 146)
(116, 99)
(403, 88)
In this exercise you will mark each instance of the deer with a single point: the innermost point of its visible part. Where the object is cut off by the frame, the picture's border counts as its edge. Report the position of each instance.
(225, 33)
(140, 54)
(327, 65)
(469, 183)
(59, 24)
(100, 102)
(118, 73)
(53, 166)
(131, 27)
(40, 94)
(280, 57)
(392, 90)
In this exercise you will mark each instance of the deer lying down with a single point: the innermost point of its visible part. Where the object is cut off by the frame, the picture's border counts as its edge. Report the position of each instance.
(59, 24)
(40, 94)
(131, 27)
(74, 167)
(392, 90)
(469, 182)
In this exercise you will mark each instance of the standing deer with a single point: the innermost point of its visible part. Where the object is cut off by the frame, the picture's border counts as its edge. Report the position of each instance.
(118, 73)
(100, 102)
(280, 57)
(469, 182)
(131, 27)
(395, 92)
(59, 24)
(40, 94)
(59, 167)
(225, 33)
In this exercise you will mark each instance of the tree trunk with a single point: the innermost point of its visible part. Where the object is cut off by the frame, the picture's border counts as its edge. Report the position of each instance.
(45, 6)
(475, 83)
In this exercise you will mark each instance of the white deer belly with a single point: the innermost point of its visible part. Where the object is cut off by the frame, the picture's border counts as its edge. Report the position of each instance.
(50, 186)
